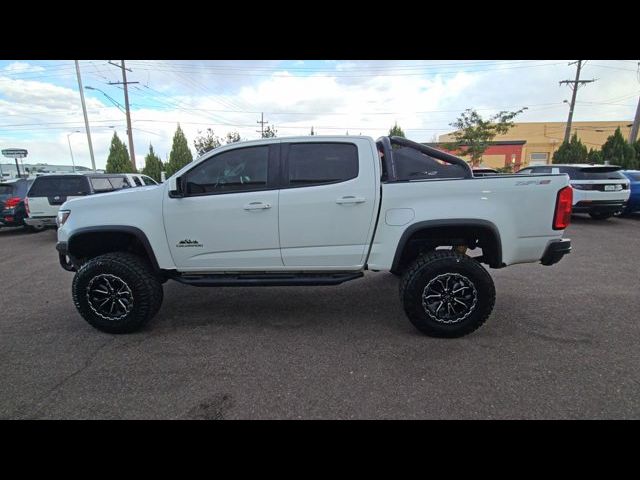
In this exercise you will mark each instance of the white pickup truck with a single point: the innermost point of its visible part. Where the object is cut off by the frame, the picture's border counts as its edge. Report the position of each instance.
(314, 211)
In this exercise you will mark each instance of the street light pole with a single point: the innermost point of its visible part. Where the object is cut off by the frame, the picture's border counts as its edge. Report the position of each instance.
(86, 118)
(73, 163)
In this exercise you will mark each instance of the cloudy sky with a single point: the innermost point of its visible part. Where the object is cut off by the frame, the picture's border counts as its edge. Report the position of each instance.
(40, 104)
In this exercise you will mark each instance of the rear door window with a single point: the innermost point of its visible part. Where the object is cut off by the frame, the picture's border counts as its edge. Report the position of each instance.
(119, 182)
(64, 186)
(101, 184)
(321, 163)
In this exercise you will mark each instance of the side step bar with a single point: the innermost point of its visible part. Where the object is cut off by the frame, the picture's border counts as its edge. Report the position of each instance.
(266, 279)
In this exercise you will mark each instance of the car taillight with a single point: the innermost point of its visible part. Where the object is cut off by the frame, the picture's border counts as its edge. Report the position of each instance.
(26, 205)
(12, 202)
(562, 215)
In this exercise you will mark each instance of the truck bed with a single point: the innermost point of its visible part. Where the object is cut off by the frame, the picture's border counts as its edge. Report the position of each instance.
(519, 207)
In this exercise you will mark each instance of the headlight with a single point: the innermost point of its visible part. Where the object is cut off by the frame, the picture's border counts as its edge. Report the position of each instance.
(62, 217)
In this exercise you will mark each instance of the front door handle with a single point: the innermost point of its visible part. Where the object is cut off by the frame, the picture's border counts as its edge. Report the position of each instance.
(257, 206)
(347, 199)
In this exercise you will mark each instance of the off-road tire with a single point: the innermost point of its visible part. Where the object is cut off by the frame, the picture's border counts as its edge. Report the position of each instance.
(142, 289)
(442, 264)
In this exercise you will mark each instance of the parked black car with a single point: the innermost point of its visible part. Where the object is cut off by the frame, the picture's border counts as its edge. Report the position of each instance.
(12, 210)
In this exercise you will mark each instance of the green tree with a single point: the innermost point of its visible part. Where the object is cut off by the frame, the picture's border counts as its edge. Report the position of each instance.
(232, 137)
(205, 142)
(118, 160)
(474, 134)
(573, 151)
(180, 154)
(595, 156)
(636, 146)
(152, 165)
(269, 132)
(396, 131)
(617, 151)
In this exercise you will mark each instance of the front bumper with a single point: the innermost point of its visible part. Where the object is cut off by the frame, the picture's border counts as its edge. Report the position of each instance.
(40, 221)
(598, 206)
(555, 251)
(63, 255)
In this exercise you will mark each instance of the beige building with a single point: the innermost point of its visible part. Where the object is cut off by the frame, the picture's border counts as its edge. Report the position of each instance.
(542, 139)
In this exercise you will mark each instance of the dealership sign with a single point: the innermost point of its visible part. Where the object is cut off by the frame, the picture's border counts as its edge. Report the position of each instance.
(14, 152)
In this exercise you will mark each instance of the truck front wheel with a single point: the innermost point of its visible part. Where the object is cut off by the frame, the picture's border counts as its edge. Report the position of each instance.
(117, 292)
(447, 294)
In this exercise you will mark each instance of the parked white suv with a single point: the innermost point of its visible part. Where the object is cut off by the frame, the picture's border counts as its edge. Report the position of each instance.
(599, 190)
(48, 192)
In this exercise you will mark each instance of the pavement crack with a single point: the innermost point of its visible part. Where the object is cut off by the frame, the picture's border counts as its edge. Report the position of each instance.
(40, 404)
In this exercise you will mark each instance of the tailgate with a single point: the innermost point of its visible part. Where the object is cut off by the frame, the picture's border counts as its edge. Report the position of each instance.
(43, 207)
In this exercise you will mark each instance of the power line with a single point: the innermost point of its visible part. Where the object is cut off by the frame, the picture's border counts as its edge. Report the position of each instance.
(249, 73)
(253, 68)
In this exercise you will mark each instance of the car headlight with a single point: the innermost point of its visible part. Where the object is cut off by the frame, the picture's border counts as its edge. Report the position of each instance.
(62, 217)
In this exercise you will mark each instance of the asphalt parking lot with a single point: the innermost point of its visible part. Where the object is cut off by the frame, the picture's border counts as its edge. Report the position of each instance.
(562, 343)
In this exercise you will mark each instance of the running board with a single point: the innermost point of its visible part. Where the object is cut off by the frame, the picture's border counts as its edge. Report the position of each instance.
(266, 279)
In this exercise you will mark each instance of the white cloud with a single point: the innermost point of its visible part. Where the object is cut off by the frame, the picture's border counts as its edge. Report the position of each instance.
(38, 115)
(22, 67)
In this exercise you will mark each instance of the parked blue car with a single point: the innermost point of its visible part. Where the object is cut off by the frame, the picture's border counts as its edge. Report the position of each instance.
(633, 205)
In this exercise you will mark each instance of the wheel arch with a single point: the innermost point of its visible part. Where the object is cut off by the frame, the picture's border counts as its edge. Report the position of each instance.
(89, 242)
(465, 227)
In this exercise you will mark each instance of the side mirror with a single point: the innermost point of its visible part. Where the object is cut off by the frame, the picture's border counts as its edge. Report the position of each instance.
(175, 187)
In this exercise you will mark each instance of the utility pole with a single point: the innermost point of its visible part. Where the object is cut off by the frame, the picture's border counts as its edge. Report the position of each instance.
(261, 122)
(86, 118)
(575, 84)
(636, 123)
(126, 104)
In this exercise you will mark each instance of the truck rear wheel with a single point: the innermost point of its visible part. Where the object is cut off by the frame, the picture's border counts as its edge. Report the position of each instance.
(447, 294)
(117, 292)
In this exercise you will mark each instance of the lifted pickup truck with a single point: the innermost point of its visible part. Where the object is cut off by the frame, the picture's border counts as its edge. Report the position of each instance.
(314, 211)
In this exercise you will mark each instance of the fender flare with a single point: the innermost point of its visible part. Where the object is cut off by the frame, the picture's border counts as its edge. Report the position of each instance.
(457, 222)
(136, 232)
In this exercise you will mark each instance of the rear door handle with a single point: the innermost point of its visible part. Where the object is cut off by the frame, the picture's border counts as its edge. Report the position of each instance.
(257, 206)
(347, 199)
